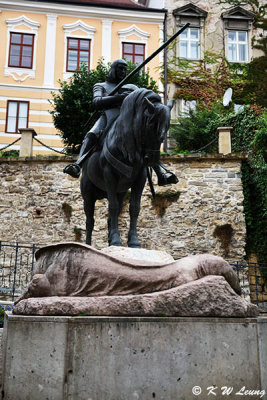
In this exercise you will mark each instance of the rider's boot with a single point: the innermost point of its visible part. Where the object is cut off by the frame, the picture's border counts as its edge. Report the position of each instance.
(74, 170)
(165, 179)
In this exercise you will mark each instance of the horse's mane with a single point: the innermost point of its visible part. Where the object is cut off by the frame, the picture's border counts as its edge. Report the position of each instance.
(127, 130)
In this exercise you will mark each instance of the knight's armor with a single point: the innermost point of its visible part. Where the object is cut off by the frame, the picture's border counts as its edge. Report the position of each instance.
(111, 106)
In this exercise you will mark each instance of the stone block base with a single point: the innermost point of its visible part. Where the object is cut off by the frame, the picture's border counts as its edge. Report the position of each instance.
(132, 358)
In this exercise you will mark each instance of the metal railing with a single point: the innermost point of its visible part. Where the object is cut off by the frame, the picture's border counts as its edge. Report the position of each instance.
(16, 266)
(17, 262)
(253, 281)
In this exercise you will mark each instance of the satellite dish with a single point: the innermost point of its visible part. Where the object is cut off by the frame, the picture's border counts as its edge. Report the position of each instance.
(227, 97)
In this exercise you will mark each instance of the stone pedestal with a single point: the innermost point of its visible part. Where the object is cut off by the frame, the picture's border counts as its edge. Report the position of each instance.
(131, 358)
(225, 139)
(27, 135)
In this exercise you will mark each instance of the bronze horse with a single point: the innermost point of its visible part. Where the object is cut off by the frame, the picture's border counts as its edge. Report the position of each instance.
(131, 144)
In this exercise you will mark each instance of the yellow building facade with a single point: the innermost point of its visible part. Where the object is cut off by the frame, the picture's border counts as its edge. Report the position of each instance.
(42, 42)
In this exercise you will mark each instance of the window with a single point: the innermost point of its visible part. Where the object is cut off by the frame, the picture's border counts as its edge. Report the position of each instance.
(189, 43)
(238, 107)
(238, 30)
(133, 52)
(17, 116)
(78, 52)
(21, 50)
(238, 46)
(187, 105)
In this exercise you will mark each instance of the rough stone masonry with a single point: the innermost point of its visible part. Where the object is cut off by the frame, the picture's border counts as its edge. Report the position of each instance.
(202, 213)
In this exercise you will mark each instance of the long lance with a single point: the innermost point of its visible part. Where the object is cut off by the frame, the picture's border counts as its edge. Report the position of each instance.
(140, 66)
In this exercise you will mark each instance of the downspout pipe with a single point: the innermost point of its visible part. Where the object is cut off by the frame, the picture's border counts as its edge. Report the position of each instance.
(165, 72)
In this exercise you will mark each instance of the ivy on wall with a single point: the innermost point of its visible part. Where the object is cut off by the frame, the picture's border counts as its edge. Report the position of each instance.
(206, 80)
(254, 177)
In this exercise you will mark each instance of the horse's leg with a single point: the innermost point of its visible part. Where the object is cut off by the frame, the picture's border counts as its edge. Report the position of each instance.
(136, 194)
(120, 199)
(88, 195)
(113, 207)
(89, 209)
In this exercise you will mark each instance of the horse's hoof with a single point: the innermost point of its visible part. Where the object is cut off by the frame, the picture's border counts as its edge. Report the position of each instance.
(116, 244)
(133, 240)
(134, 244)
(115, 240)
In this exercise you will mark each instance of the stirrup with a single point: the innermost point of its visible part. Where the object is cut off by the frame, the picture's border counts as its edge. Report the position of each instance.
(164, 179)
(73, 170)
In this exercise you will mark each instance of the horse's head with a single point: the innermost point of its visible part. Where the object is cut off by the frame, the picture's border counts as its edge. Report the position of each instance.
(157, 122)
(141, 127)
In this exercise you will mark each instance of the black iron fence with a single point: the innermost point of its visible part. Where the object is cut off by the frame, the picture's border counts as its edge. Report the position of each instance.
(16, 265)
(253, 281)
(17, 262)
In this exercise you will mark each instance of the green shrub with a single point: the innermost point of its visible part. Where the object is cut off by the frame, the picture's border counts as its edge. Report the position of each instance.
(197, 129)
(3, 309)
(10, 153)
(244, 124)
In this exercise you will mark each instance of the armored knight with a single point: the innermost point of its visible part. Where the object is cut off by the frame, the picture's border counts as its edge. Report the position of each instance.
(111, 106)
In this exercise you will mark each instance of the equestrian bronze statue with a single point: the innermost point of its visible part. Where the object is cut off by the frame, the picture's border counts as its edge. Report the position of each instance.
(102, 100)
(131, 144)
(119, 148)
(111, 89)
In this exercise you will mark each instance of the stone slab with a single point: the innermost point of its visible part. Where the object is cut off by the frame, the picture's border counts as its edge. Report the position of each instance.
(120, 358)
(129, 253)
(210, 296)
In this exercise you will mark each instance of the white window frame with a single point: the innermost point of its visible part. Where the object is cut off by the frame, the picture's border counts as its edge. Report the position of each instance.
(17, 73)
(69, 30)
(237, 43)
(189, 41)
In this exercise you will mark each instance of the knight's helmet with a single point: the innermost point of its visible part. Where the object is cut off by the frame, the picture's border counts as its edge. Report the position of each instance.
(112, 77)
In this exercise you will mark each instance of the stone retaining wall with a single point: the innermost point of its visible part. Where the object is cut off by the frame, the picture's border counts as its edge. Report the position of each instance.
(202, 213)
